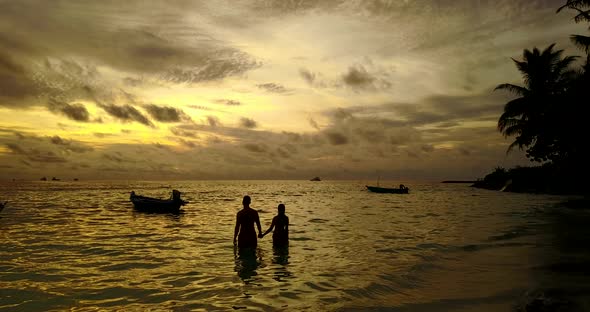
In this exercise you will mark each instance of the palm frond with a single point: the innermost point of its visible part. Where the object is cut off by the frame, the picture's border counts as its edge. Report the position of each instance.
(517, 107)
(512, 88)
(582, 42)
(582, 15)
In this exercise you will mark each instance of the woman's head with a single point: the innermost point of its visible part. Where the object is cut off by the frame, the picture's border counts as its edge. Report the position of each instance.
(281, 209)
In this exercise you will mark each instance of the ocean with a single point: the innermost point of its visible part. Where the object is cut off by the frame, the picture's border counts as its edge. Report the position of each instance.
(80, 246)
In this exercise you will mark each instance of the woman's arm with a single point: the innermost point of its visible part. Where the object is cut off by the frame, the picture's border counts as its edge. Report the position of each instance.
(272, 226)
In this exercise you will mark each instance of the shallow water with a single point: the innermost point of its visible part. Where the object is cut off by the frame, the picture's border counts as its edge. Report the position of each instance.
(443, 247)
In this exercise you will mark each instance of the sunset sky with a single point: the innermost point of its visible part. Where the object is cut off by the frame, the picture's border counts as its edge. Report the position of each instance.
(275, 89)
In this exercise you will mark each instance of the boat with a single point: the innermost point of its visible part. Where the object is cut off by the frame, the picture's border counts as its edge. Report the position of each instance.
(144, 203)
(316, 179)
(2, 205)
(376, 189)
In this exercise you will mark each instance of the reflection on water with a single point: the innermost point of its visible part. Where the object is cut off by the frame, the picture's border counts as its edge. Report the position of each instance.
(247, 261)
(67, 246)
(280, 259)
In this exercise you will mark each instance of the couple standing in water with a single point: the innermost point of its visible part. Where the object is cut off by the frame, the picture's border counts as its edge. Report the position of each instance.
(246, 234)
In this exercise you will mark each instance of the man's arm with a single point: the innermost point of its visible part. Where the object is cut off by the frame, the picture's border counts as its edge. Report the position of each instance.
(237, 229)
(258, 224)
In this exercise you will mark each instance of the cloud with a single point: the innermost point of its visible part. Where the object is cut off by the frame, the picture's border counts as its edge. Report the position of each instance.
(357, 77)
(126, 113)
(248, 123)
(75, 111)
(213, 121)
(228, 102)
(336, 138)
(15, 84)
(183, 133)
(313, 123)
(114, 158)
(35, 155)
(166, 113)
(273, 88)
(307, 75)
(212, 69)
(256, 148)
(70, 145)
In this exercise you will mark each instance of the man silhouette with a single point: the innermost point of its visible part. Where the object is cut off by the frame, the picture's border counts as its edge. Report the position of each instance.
(244, 231)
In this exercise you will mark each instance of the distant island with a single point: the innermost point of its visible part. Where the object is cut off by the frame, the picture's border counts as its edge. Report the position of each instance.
(458, 181)
(315, 179)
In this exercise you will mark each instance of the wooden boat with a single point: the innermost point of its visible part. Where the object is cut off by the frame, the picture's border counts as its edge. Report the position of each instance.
(377, 189)
(144, 203)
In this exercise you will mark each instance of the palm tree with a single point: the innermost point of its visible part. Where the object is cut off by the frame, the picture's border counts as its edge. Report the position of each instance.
(546, 75)
(583, 9)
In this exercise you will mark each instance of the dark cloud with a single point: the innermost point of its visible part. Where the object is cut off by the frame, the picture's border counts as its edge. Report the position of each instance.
(292, 136)
(166, 113)
(313, 123)
(104, 135)
(228, 102)
(126, 113)
(115, 158)
(183, 133)
(15, 148)
(15, 84)
(35, 155)
(427, 148)
(190, 144)
(75, 111)
(213, 121)
(212, 69)
(357, 77)
(37, 63)
(283, 153)
(256, 148)
(336, 138)
(69, 145)
(373, 135)
(248, 123)
(273, 87)
(307, 75)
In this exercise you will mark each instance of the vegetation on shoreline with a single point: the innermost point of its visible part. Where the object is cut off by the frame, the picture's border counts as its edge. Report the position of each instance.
(547, 119)
(546, 179)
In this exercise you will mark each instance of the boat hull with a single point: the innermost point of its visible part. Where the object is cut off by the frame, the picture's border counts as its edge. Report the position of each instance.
(376, 189)
(149, 204)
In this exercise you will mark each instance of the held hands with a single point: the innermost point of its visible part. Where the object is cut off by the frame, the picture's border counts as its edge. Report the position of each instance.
(260, 235)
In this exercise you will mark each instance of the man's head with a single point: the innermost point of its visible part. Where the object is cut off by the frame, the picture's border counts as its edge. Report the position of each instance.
(246, 201)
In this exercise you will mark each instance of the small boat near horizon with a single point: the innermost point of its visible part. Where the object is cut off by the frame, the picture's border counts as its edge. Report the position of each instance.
(377, 189)
(149, 204)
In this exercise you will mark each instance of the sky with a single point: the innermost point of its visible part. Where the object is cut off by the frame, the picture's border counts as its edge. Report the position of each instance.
(269, 89)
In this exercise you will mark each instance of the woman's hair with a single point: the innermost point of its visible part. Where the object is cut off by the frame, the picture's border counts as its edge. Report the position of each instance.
(281, 209)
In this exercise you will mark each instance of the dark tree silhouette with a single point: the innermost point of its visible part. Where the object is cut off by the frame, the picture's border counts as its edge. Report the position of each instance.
(582, 7)
(546, 78)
